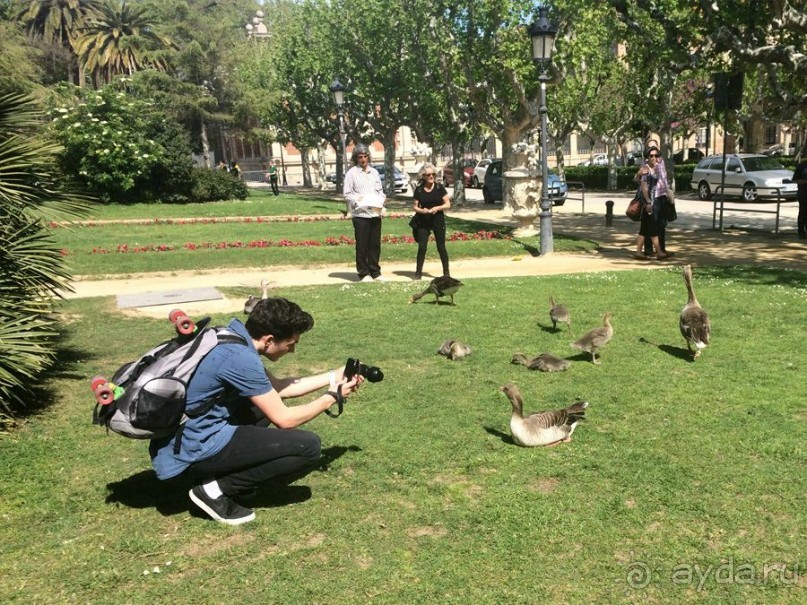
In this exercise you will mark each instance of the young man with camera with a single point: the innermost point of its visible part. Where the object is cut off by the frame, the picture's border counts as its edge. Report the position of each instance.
(230, 450)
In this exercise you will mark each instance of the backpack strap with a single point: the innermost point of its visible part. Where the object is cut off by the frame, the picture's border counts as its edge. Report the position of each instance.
(224, 337)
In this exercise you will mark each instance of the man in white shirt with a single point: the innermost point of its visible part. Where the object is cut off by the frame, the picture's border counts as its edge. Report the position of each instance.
(365, 199)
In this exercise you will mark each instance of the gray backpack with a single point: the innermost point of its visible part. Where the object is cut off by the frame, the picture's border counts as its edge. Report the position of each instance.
(150, 400)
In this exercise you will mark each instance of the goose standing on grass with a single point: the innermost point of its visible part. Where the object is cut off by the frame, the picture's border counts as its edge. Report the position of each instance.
(559, 314)
(543, 362)
(694, 321)
(595, 339)
(542, 428)
(253, 300)
(445, 285)
(454, 349)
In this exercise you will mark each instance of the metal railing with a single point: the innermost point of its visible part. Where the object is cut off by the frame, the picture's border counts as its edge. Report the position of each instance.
(580, 187)
(774, 198)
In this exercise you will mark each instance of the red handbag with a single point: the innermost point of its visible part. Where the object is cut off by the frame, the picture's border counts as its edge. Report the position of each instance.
(634, 210)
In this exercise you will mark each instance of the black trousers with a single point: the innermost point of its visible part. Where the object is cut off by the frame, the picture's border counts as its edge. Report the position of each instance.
(368, 246)
(802, 220)
(661, 227)
(255, 455)
(422, 237)
(273, 183)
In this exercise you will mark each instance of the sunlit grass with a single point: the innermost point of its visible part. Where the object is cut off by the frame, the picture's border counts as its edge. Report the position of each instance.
(422, 497)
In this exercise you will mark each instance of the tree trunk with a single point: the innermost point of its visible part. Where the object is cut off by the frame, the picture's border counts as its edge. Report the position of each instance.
(306, 166)
(457, 157)
(205, 147)
(389, 162)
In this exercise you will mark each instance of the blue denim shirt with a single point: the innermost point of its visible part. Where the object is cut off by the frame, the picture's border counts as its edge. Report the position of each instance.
(235, 367)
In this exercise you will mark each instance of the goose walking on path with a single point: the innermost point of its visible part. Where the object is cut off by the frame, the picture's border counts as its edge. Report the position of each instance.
(542, 428)
(593, 340)
(444, 285)
(694, 321)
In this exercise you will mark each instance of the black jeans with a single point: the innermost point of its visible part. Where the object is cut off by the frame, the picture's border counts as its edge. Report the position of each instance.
(422, 237)
(368, 246)
(256, 454)
(273, 183)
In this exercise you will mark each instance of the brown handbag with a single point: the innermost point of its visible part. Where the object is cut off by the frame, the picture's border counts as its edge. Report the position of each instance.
(634, 210)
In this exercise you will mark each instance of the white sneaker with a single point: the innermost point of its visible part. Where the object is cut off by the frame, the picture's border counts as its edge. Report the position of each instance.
(380, 278)
(366, 278)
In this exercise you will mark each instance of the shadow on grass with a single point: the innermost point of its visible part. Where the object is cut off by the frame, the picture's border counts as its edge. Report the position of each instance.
(144, 490)
(503, 436)
(672, 351)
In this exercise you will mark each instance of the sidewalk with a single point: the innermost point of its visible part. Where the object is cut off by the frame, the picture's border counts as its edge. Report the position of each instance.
(691, 244)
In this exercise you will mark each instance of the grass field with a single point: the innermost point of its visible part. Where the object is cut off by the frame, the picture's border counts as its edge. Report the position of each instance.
(289, 230)
(685, 484)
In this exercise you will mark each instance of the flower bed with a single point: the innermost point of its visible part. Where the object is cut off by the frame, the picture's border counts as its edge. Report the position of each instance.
(342, 240)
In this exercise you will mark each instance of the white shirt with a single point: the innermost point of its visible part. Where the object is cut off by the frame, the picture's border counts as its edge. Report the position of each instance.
(361, 184)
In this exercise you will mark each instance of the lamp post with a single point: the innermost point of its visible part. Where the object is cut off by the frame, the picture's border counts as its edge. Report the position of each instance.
(338, 91)
(542, 34)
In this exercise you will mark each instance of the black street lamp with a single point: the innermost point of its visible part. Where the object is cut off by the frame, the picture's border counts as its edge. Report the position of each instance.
(338, 91)
(542, 34)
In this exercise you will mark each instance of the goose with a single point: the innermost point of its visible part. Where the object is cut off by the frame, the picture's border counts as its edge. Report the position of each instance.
(439, 286)
(694, 321)
(596, 338)
(454, 349)
(542, 428)
(543, 363)
(253, 300)
(559, 314)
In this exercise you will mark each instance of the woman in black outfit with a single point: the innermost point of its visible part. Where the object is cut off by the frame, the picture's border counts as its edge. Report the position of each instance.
(431, 200)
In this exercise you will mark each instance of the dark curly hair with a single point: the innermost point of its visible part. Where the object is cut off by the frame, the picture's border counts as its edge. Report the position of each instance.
(279, 317)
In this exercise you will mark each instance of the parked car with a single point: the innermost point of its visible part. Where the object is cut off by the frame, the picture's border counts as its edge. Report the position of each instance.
(687, 155)
(599, 159)
(468, 166)
(748, 174)
(634, 158)
(478, 177)
(492, 189)
(401, 182)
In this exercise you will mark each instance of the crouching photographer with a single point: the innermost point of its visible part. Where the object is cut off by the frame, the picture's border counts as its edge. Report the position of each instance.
(231, 449)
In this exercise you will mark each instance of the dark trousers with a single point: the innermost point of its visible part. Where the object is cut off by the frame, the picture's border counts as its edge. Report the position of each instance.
(422, 237)
(802, 220)
(368, 246)
(660, 218)
(255, 455)
(273, 183)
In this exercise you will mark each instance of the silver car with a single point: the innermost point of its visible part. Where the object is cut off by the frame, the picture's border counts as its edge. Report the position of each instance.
(751, 176)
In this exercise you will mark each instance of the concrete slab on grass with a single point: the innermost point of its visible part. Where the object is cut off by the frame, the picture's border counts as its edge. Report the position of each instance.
(167, 297)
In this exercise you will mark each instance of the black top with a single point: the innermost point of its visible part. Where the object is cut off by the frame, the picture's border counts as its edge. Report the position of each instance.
(800, 174)
(430, 199)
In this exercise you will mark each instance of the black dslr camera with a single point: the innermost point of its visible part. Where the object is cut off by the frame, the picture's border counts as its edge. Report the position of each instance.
(370, 373)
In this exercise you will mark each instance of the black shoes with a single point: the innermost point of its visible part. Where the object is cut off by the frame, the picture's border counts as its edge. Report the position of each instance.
(223, 509)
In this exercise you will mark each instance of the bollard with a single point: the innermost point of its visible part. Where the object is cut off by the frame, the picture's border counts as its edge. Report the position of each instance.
(609, 213)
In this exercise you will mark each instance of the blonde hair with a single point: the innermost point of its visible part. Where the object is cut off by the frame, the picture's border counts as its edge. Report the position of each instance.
(424, 168)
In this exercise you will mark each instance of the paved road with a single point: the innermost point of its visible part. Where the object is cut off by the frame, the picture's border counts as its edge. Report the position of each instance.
(691, 237)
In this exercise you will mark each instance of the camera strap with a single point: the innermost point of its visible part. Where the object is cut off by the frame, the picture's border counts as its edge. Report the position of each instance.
(340, 401)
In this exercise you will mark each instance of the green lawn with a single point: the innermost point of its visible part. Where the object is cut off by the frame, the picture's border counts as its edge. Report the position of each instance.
(693, 471)
(174, 243)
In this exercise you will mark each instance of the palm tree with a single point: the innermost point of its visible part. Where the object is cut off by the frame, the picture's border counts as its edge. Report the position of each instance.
(32, 269)
(57, 22)
(121, 39)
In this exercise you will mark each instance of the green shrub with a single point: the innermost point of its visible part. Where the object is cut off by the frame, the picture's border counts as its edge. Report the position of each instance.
(212, 185)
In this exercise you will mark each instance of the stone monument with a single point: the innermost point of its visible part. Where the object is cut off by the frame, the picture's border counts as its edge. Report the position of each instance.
(521, 187)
